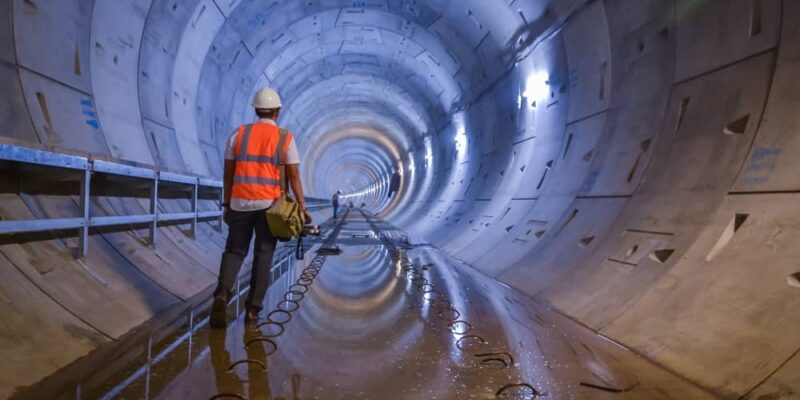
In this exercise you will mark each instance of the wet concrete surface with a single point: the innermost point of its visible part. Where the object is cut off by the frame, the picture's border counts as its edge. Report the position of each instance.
(385, 320)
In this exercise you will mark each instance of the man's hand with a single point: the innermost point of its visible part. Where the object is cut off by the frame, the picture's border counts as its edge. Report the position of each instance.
(307, 216)
(225, 213)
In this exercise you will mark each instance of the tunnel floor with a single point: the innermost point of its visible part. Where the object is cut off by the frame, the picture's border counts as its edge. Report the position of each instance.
(388, 320)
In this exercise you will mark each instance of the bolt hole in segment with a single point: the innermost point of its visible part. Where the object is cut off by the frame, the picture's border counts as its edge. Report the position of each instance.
(730, 230)
(586, 241)
(661, 256)
(794, 280)
(737, 127)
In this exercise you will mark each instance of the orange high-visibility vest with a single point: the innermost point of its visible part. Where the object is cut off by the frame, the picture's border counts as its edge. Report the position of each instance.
(257, 176)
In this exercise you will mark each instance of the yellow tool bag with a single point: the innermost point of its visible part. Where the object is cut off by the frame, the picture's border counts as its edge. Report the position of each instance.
(285, 219)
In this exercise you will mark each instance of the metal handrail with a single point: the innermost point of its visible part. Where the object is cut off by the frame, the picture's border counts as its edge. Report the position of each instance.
(29, 156)
(36, 157)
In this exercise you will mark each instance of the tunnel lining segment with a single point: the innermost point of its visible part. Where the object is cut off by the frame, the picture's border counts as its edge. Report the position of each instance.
(621, 59)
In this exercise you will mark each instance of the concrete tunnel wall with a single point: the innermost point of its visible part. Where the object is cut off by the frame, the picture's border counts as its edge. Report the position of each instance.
(631, 163)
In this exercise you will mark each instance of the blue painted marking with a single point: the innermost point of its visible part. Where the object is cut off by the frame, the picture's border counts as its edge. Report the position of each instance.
(754, 181)
(256, 18)
(764, 152)
(753, 167)
(87, 103)
(89, 113)
(590, 180)
(93, 123)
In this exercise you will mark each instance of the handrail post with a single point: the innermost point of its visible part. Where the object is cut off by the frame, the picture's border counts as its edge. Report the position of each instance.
(194, 208)
(154, 211)
(221, 200)
(85, 201)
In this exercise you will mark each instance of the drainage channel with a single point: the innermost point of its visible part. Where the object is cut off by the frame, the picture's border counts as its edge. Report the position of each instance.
(283, 311)
(467, 341)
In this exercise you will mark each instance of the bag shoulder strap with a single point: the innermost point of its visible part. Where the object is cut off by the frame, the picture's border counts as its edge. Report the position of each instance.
(282, 136)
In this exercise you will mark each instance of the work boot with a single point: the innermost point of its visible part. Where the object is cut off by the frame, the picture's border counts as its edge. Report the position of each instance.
(251, 315)
(219, 311)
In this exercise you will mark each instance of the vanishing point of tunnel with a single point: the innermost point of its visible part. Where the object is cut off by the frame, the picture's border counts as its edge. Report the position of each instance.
(540, 199)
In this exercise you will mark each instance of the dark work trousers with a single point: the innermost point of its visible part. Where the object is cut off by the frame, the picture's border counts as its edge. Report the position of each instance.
(241, 225)
(335, 209)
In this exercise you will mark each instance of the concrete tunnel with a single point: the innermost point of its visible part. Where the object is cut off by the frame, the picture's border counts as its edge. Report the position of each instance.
(597, 199)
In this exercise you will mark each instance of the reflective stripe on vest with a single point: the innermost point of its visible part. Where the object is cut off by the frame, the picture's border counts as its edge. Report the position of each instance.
(258, 154)
(252, 179)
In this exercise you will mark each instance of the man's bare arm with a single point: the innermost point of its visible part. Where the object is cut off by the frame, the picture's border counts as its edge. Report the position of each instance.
(293, 173)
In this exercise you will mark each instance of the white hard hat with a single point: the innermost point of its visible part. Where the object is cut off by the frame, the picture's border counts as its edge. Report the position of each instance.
(267, 98)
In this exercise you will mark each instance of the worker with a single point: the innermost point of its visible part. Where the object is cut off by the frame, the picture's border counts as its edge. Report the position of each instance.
(335, 202)
(251, 184)
(394, 184)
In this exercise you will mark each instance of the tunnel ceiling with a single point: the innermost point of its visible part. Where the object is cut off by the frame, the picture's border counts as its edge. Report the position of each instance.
(395, 70)
(627, 162)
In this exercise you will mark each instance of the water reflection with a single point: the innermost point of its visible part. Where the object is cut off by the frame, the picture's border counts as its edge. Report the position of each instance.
(384, 322)
(245, 378)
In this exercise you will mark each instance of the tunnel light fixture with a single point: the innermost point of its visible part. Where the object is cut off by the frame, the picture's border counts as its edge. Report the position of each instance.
(461, 140)
(428, 152)
(537, 87)
(411, 166)
(429, 155)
